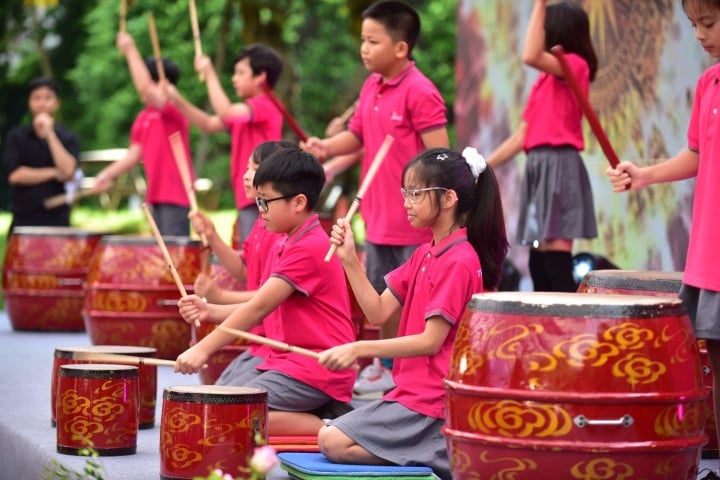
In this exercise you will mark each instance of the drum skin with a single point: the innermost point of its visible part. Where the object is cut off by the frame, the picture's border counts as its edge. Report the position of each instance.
(131, 296)
(209, 427)
(43, 272)
(98, 407)
(656, 283)
(584, 386)
(147, 376)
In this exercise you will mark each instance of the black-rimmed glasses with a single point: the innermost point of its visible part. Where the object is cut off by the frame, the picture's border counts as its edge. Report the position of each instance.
(264, 204)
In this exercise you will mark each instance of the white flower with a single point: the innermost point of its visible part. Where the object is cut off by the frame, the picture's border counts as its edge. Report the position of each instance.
(263, 460)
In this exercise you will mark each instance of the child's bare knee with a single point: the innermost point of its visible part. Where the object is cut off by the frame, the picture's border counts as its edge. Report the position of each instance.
(330, 442)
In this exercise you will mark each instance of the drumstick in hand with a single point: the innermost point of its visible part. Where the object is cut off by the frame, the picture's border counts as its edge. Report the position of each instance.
(178, 150)
(251, 337)
(99, 357)
(166, 254)
(123, 14)
(156, 47)
(288, 118)
(374, 166)
(195, 31)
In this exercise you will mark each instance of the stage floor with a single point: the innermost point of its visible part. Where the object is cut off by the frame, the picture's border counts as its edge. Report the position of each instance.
(27, 439)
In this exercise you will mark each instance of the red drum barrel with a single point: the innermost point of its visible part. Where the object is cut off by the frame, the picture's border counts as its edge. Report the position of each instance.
(208, 427)
(219, 360)
(98, 407)
(147, 379)
(657, 283)
(131, 296)
(43, 272)
(583, 386)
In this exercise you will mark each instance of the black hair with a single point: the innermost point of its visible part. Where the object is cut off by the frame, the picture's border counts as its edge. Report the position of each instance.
(292, 171)
(262, 59)
(265, 149)
(567, 24)
(172, 71)
(40, 82)
(479, 206)
(400, 20)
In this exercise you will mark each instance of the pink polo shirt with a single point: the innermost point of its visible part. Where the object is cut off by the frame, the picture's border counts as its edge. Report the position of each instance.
(247, 132)
(704, 137)
(438, 280)
(405, 107)
(151, 130)
(256, 253)
(552, 113)
(316, 316)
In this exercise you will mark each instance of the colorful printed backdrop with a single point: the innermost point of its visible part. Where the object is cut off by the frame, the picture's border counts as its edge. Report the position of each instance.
(649, 63)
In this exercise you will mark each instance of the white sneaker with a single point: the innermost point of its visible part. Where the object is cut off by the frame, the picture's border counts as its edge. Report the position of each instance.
(373, 381)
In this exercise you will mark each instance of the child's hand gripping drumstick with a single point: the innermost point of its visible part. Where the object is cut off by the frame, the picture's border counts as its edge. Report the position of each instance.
(165, 253)
(156, 48)
(379, 156)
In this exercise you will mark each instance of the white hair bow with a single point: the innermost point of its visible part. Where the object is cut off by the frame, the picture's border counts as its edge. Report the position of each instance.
(475, 161)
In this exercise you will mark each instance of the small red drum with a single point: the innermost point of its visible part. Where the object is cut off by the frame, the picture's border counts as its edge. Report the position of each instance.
(43, 272)
(131, 296)
(208, 427)
(219, 360)
(657, 283)
(632, 282)
(583, 386)
(147, 380)
(98, 408)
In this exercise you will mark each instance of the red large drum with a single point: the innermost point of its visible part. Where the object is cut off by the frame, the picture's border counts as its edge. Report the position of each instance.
(208, 427)
(147, 380)
(578, 385)
(43, 272)
(98, 408)
(131, 296)
(657, 283)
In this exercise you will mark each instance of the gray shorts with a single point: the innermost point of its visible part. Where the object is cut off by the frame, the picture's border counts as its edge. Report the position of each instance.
(240, 370)
(397, 434)
(171, 220)
(382, 259)
(703, 307)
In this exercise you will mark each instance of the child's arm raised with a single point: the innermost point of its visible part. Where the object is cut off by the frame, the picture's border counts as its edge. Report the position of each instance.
(534, 53)
(196, 116)
(219, 100)
(143, 82)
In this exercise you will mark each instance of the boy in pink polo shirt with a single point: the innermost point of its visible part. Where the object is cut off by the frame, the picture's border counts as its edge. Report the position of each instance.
(149, 143)
(457, 197)
(307, 296)
(396, 99)
(250, 122)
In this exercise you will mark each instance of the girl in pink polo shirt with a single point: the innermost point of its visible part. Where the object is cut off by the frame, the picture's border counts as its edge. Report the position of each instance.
(556, 197)
(700, 290)
(457, 197)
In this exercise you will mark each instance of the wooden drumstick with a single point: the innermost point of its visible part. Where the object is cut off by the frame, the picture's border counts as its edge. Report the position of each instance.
(156, 47)
(124, 359)
(178, 150)
(251, 337)
(195, 31)
(348, 112)
(123, 14)
(62, 198)
(288, 118)
(374, 166)
(166, 254)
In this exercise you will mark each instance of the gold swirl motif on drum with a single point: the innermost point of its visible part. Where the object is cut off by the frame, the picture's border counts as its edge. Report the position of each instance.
(461, 462)
(167, 335)
(217, 433)
(585, 349)
(602, 469)
(512, 419)
(181, 456)
(73, 254)
(683, 339)
(675, 466)
(119, 301)
(629, 336)
(514, 347)
(179, 421)
(61, 311)
(464, 360)
(32, 281)
(72, 402)
(680, 420)
(516, 465)
(83, 429)
(638, 369)
(107, 408)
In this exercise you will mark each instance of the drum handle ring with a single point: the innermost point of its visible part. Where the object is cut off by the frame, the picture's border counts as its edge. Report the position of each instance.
(70, 281)
(582, 421)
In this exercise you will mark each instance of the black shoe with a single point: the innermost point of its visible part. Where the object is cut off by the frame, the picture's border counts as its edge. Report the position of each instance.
(709, 474)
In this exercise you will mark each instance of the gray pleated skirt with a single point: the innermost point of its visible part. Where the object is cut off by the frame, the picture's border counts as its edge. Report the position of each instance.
(397, 434)
(556, 198)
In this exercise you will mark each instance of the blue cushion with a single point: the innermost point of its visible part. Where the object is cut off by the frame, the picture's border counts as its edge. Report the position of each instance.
(316, 465)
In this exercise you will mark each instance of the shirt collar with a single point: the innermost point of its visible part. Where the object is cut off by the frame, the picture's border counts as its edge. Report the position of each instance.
(458, 236)
(397, 78)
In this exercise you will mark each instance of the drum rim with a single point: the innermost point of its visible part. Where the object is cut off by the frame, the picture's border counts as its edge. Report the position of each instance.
(664, 281)
(139, 351)
(214, 394)
(98, 370)
(45, 231)
(145, 240)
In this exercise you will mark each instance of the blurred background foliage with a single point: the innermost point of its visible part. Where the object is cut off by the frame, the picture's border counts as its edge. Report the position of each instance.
(73, 41)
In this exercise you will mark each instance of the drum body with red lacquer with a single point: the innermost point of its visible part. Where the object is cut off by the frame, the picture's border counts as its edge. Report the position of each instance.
(43, 272)
(97, 406)
(580, 385)
(209, 427)
(147, 376)
(131, 296)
